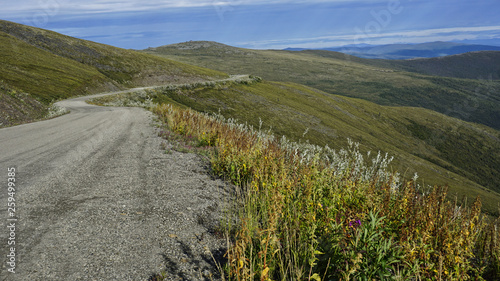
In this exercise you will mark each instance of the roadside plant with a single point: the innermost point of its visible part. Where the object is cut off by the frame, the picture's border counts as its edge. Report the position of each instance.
(306, 212)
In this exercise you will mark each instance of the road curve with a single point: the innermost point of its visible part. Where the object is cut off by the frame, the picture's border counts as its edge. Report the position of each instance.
(98, 199)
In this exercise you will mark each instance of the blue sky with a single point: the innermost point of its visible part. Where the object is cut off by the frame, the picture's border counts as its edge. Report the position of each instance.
(271, 24)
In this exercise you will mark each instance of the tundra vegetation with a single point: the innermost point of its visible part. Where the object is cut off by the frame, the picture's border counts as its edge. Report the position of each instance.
(310, 212)
(385, 82)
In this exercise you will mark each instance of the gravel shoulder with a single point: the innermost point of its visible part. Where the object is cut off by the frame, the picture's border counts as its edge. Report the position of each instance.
(98, 199)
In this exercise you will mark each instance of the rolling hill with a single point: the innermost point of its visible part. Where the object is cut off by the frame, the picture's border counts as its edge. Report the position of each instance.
(397, 122)
(40, 66)
(341, 74)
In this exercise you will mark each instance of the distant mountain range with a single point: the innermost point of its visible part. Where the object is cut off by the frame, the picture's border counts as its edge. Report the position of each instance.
(407, 51)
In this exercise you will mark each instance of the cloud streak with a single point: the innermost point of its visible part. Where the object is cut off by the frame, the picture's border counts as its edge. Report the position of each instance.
(412, 36)
(116, 6)
(261, 23)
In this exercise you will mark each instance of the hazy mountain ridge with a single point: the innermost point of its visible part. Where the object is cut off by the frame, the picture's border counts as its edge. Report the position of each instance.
(482, 65)
(408, 51)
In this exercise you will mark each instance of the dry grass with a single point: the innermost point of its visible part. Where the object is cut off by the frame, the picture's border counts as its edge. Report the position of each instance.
(309, 212)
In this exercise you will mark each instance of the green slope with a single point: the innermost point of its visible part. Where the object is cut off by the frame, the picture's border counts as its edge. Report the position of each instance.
(50, 66)
(470, 100)
(443, 150)
(43, 74)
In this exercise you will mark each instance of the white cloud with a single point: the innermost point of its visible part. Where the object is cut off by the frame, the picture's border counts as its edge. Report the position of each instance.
(110, 18)
(412, 36)
(106, 6)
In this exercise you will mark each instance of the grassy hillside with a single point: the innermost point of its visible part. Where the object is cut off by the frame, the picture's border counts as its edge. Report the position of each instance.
(44, 75)
(336, 73)
(443, 150)
(50, 66)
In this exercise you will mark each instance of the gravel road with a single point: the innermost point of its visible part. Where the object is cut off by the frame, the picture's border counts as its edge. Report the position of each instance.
(98, 199)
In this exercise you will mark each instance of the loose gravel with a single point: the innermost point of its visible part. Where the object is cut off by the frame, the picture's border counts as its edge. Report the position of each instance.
(99, 199)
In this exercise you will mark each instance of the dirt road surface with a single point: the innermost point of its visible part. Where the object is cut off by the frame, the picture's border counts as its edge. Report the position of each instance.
(96, 198)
